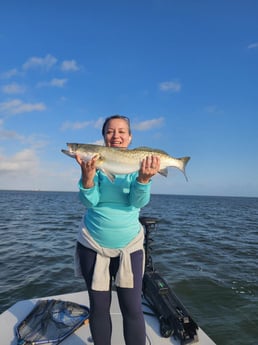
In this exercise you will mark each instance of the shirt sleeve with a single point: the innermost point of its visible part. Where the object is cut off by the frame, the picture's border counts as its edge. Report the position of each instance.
(140, 194)
(89, 196)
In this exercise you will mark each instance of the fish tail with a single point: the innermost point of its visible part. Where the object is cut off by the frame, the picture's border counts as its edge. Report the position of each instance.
(184, 161)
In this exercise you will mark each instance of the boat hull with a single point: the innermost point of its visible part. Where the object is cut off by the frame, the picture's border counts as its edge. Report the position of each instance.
(10, 319)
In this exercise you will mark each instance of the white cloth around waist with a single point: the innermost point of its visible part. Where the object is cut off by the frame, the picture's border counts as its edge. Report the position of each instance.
(101, 276)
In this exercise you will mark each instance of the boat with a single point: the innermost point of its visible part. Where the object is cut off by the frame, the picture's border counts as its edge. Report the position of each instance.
(11, 318)
(167, 321)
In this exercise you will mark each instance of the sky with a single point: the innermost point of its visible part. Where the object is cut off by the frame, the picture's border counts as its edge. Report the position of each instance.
(185, 73)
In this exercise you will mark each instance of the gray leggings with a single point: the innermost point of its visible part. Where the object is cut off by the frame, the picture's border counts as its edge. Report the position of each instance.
(129, 300)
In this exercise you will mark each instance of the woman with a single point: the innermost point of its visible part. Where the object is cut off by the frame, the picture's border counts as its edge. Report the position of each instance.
(110, 241)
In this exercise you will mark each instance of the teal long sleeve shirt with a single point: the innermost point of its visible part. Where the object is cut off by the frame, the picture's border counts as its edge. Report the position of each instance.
(112, 215)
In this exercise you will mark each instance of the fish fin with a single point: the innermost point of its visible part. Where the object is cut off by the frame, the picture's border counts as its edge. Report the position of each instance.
(163, 172)
(110, 176)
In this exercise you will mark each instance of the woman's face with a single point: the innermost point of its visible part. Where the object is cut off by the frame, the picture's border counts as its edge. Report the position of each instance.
(117, 133)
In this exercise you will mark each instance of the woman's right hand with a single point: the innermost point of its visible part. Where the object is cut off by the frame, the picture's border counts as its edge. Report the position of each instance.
(88, 169)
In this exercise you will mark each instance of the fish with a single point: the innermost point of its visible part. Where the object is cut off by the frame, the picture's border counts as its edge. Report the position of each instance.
(117, 161)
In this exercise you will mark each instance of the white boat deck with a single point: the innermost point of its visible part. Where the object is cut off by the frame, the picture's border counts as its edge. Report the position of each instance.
(10, 319)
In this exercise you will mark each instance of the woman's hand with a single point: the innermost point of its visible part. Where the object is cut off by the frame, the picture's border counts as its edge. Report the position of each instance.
(149, 167)
(88, 171)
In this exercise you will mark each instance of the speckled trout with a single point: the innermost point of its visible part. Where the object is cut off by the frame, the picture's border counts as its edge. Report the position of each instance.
(116, 161)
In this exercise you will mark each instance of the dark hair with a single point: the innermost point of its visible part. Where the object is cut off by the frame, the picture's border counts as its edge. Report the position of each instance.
(115, 117)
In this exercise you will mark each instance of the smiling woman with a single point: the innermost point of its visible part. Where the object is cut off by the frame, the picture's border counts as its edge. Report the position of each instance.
(110, 239)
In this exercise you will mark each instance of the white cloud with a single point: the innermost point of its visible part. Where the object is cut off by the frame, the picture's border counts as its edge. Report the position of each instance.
(99, 123)
(58, 82)
(75, 125)
(148, 124)
(12, 135)
(6, 135)
(35, 140)
(99, 142)
(213, 109)
(69, 65)
(55, 82)
(37, 62)
(16, 106)
(140, 126)
(9, 74)
(170, 86)
(25, 160)
(13, 88)
(82, 124)
(253, 45)
(25, 171)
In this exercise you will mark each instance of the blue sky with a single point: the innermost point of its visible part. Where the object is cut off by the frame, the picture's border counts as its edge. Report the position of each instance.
(185, 72)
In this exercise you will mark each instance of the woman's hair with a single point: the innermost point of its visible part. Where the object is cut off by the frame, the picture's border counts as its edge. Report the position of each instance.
(115, 117)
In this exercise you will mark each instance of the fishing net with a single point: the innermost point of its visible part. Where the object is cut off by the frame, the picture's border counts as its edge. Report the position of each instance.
(50, 322)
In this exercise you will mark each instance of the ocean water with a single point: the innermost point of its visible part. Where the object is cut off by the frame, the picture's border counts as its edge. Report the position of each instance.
(205, 247)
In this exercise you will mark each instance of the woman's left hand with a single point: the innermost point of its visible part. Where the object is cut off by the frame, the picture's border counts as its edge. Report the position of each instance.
(149, 167)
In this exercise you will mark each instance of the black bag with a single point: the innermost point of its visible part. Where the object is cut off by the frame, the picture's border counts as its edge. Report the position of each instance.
(173, 317)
